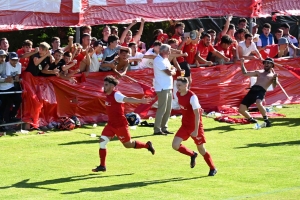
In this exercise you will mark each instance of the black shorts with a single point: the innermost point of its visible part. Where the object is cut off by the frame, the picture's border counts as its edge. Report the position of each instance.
(256, 92)
(184, 65)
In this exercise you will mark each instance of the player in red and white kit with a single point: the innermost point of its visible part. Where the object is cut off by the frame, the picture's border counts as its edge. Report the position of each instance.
(191, 125)
(117, 124)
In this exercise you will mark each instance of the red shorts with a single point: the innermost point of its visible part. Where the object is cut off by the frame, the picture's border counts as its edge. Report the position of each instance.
(122, 133)
(185, 133)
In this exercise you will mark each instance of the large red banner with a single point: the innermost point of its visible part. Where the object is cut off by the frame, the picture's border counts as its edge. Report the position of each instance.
(46, 99)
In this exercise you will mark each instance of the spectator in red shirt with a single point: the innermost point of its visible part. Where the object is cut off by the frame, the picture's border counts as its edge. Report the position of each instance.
(225, 48)
(240, 35)
(25, 52)
(179, 32)
(126, 36)
(212, 34)
(204, 48)
(86, 41)
(190, 48)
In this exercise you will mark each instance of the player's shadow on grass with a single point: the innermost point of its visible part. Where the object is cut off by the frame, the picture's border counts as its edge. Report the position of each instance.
(287, 143)
(221, 129)
(130, 185)
(96, 140)
(285, 122)
(40, 185)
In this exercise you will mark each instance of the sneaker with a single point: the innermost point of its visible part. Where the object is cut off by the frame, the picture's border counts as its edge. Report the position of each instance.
(268, 123)
(99, 168)
(193, 159)
(150, 148)
(212, 172)
(167, 132)
(252, 120)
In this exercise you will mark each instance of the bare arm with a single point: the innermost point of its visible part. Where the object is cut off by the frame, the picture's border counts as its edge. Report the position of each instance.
(169, 72)
(244, 70)
(182, 43)
(47, 71)
(37, 61)
(126, 31)
(226, 26)
(135, 100)
(26, 55)
(219, 55)
(202, 60)
(137, 37)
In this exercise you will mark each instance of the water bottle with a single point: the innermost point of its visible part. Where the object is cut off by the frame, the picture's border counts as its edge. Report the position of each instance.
(256, 126)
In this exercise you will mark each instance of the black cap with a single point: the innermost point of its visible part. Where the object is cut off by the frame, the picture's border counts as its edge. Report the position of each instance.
(13, 56)
(285, 25)
(270, 60)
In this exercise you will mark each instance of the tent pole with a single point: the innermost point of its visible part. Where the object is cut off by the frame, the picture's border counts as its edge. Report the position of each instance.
(250, 25)
(77, 36)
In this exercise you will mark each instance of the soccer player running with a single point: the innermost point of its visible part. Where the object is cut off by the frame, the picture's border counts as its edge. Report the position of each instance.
(191, 126)
(257, 92)
(117, 122)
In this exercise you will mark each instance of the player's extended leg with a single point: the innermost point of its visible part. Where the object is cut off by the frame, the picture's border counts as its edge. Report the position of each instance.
(139, 145)
(177, 146)
(102, 153)
(243, 110)
(207, 159)
(263, 112)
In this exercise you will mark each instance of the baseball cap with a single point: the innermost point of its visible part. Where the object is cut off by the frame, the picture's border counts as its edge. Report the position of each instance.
(3, 53)
(13, 56)
(282, 41)
(285, 25)
(268, 60)
(254, 24)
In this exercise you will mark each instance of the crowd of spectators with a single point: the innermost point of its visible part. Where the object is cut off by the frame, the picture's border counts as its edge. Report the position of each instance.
(119, 55)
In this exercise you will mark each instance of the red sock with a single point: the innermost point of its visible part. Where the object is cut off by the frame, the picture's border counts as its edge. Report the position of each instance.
(182, 149)
(102, 155)
(141, 145)
(208, 160)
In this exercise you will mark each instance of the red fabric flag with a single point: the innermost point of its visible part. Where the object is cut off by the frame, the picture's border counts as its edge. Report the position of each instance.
(270, 52)
(143, 109)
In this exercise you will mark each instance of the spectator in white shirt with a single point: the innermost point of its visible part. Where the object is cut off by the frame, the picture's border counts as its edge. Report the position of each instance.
(248, 47)
(97, 56)
(147, 61)
(163, 85)
(135, 58)
(13, 71)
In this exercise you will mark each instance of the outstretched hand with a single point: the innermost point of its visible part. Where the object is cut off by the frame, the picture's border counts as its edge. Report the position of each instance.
(145, 100)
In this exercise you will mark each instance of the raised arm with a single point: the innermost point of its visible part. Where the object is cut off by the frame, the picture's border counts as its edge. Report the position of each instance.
(244, 70)
(226, 26)
(37, 61)
(126, 31)
(138, 36)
